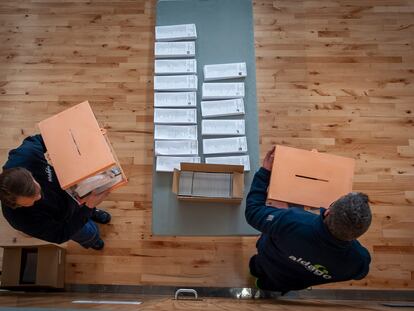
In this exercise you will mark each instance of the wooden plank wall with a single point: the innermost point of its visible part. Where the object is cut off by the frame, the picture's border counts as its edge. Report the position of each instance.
(333, 75)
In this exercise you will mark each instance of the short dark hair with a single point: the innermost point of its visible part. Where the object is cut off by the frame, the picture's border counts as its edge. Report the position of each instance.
(16, 182)
(349, 217)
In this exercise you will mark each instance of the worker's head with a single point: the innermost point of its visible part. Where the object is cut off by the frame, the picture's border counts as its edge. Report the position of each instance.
(18, 188)
(349, 217)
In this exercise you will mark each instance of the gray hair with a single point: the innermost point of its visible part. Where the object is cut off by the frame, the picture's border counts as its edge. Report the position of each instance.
(349, 217)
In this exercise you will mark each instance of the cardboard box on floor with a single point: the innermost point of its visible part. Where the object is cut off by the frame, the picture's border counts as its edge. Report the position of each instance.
(309, 178)
(77, 147)
(237, 172)
(33, 266)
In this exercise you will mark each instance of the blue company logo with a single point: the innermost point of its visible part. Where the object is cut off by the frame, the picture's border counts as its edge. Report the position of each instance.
(317, 269)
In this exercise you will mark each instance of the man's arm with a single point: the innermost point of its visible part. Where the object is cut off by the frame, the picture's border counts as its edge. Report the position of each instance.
(258, 215)
(45, 228)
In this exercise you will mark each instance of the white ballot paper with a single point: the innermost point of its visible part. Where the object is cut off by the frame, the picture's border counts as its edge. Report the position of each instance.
(224, 90)
(223, 127)
(174, 49)
(175, 99)
(216, 185)
(225, 145)
(175, 32)
(220, 108)
(175, 116)
(224, 71)
(168, 164)
(176, 147)
(175, 132)
(200, 184)
(175, 66)
(232, 160)
(175, 83)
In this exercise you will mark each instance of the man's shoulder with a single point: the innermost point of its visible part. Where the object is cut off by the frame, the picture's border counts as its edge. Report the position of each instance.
(358, 250)
(299, 215)
(29, 151)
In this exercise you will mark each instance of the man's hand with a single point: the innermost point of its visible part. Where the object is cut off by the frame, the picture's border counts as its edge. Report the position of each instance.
(95, 199)
(268, 160)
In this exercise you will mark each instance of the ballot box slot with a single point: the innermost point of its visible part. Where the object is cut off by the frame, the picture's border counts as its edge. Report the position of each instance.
(311, 178)
(74, 141)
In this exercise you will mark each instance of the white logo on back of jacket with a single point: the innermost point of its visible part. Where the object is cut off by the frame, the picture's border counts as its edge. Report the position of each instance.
(49, 174)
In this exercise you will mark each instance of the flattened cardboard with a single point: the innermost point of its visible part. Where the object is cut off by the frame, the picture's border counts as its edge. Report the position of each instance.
(309, 178)
(76, 145)
(50, 269)
(238, 181)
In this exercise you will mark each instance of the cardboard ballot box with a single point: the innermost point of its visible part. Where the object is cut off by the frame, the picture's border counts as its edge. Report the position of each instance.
(309, 178)
(33, 266)
(201, 182)
(80, 152)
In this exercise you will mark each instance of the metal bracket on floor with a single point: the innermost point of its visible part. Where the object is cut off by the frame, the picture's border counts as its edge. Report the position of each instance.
(186, 291)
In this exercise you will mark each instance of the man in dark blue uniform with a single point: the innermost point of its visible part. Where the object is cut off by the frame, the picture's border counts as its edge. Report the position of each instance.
(298, 249)
(33, 202)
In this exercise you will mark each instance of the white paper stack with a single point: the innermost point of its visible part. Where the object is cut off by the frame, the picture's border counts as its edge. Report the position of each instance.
(175, 32)
(175, 83)
(212, 185)
(219, 108)
(225, 145)
(232, 160)
(223, 90)
(223, 127)
(175, 132)
(224, 71)
(175, 116)
(168, 164)
(175, 66)
(175, 99)
(176, 147)
(174, 49)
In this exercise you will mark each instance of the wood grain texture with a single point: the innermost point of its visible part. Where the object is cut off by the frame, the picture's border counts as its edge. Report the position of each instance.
(333, 75)
(162, 303)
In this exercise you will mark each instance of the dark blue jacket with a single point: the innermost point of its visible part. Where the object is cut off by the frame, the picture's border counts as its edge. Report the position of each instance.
(56, 216)
(296, 250)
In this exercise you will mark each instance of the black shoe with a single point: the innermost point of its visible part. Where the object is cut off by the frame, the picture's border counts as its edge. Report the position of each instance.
(101, 216)
(98, 245)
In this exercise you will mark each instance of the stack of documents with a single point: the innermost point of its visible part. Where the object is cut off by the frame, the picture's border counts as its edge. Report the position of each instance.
(175, 83)
(175, 86)
(176, 147)
(231, 160)
(175, 132)
(224, 71)
(222, 127)
(220, 108)
(175, 32)
(175, 99)
(174, 49)
(223, 90)
(199, 184)
(175, 66)
(225, 145)
(175, 116)
(168, 164)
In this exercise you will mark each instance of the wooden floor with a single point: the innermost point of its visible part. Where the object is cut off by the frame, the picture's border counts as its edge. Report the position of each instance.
(336, 75)
(154, 303)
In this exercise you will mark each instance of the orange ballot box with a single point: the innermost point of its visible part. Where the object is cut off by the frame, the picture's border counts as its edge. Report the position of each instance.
(309, 178)
(80, 152)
